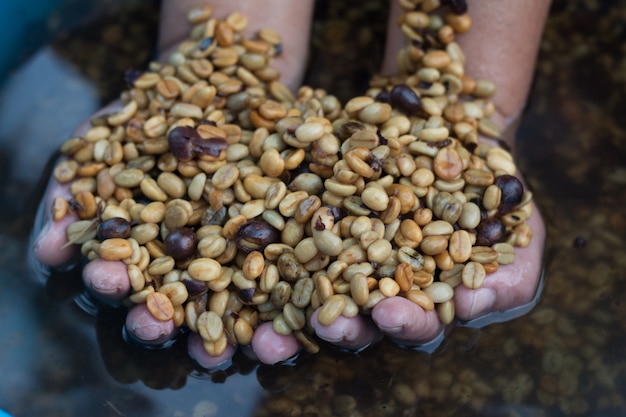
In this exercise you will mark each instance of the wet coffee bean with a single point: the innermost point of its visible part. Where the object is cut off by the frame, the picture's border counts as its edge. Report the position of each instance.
(208, 147)
(179, 140)
(246, 295)
(185, 144)
(194, 288)
(491, 230)
(180, 243)
(113, 228)
(512, 192)
(256, 235)
(403, 97)
(289, 267)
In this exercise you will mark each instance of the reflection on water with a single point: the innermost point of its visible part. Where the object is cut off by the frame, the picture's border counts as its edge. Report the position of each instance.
(566, 356)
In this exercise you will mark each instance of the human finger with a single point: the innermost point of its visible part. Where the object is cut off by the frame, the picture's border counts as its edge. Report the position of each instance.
(291, 20)
(196, 350)
(107, 280)
(143, 328)
(50, 245)
(271, 347)
(511, 286)
(347, 332)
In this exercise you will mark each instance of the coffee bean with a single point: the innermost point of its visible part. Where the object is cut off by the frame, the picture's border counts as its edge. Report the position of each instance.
(256, 235)
(180, 243)
(407, 100)
(491, 230)
(111, 228)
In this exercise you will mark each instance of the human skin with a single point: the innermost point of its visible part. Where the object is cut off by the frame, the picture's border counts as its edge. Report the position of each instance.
(507, 59)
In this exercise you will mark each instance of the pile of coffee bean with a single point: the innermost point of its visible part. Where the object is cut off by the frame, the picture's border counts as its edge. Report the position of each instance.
(233, 201)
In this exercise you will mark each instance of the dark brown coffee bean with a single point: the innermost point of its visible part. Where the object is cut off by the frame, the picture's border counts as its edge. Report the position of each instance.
(179, 140)
(403, 97)
(113, 228)
(490, 230)
(180, 243)
(512, 192)
(208, 147)
(256, 235)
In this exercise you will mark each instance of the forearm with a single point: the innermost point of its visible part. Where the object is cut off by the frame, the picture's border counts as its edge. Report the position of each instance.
(501, 46)
(291, 19)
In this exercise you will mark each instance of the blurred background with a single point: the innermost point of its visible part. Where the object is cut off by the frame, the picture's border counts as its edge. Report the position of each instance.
(60, 60)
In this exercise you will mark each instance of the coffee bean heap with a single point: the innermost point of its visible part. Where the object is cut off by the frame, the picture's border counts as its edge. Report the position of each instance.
(232, 201)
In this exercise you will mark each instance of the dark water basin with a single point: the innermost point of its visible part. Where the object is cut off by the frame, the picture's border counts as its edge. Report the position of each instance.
(565, 357)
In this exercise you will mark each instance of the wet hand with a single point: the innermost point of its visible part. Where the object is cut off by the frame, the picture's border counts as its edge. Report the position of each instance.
(407, 314)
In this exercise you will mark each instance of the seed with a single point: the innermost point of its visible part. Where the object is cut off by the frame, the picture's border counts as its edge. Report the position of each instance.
(470, 216)
(411, 257)
(388, 287)
(225, 176)
(492, 197)
(460, 246)
(180, 243)
(115, 249)
(506, 253)
(331, 310)
(434, 134)
(439, 292)
(294, 317)
(483, 254)
(172, 184)
(255, 236)
(406, 99)
(86, 206)
(436, 59)
(151, 189)
(210, 326)
(280, 294)
(253, 265)
(446, 312)
(379, 251)
(490, 231)
(306, 208)
(375, 113)
(420, 298)
(59, 208)
(434, 245)
(289, 267)
(309, 132)
(204, 269)
(447, 165)
(512, 192)
(160, 306)
(357, 104)
(113, 228)
(404, 276)
(473, 275)
(124, 114)
(328, 242)
(176, 291)
(302, 292)
(375, 198)
(437, 228)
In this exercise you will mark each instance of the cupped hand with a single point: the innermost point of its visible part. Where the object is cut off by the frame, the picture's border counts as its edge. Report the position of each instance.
(504, 293)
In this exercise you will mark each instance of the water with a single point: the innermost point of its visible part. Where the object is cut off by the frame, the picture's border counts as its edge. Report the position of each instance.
(565, 357)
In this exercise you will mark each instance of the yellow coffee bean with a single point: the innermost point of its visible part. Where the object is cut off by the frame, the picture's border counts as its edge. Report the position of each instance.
(115, 249)
(160, 306)
(331, 310)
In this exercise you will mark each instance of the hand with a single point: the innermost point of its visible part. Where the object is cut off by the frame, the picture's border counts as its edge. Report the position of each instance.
(511, 287)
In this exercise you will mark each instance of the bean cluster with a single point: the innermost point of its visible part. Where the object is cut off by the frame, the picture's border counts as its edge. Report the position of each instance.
(232, 201)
